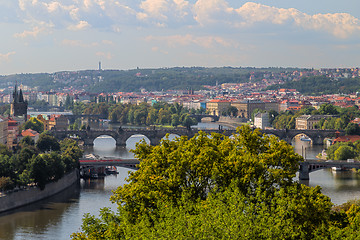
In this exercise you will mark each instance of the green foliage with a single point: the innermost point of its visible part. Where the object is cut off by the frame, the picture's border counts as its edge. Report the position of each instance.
(343, 151)
(47, 142)
(352, 129)
(143, 114)
(38, 171)
(6, 183)
(4, 150)
(26, 141)
(328, 109)
(34, 124)
(285, 120)
(214, 187)
(341, 120)
(28, 166)
(318, 85)
(5, 109)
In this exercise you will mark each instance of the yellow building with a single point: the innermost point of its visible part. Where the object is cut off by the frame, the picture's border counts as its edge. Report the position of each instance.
(308, 122)
(246, 108)
(217, 107)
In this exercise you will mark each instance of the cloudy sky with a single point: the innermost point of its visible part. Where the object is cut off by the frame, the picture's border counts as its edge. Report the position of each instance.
(56, 35)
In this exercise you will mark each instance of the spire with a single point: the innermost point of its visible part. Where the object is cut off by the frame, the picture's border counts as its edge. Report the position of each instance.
(15, 94)
(21, 97)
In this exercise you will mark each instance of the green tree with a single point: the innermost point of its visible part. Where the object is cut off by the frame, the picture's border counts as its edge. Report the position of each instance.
(38, 171)
(352, 129)
(198, 165)
(34, 124)
(4, 150)
(189, 121)
(47, 143)
(232, 111)
(26, 141)
(344, 152)
(214, 187)
(328, 109)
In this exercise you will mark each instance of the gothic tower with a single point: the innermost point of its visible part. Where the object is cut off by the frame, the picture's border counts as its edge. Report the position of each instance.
(18, 105)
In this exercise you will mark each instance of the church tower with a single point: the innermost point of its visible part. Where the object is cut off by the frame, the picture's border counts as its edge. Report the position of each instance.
(18, 105)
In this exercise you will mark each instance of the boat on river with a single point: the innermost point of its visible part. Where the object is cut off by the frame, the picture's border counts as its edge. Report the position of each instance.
(305, 138)
(336, 169)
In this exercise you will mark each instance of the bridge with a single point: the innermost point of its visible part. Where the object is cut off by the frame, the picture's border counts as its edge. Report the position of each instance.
(155, 135)
(199, 117)
(118, 162)
(71, 118)
(317, 136)
(305, 167)
(313, 165)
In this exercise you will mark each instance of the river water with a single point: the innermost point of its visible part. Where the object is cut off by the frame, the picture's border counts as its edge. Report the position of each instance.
(61, 215)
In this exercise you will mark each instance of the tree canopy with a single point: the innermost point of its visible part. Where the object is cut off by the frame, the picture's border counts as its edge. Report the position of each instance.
(30, 164)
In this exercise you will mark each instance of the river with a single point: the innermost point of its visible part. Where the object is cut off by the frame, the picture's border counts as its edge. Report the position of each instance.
(59, 216)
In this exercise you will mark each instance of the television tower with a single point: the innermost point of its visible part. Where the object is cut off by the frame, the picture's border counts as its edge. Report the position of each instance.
(99, 66)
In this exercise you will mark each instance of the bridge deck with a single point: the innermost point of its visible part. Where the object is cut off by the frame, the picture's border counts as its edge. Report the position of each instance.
(108, 162)
(333, 163)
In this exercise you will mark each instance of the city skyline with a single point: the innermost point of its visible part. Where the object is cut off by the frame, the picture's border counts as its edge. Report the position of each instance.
(50, 36)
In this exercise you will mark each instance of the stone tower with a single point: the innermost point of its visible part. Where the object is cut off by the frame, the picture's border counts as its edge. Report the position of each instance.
(18, 105)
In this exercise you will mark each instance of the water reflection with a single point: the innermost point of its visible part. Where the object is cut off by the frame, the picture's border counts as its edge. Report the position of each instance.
(36, 219)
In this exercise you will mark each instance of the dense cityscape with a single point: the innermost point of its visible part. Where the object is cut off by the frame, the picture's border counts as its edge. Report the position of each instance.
(179, 119)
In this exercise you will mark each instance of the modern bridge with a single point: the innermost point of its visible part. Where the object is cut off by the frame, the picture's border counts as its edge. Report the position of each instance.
(118, 162)
(312, 165)
(306, 167)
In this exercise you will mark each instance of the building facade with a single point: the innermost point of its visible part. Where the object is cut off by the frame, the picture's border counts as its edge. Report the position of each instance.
(308, 122)
(217, 107)
(261, 120)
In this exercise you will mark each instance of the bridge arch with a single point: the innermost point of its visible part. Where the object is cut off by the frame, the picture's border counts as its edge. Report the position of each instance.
(135, 138)
(108, 139)
(302, 137)
(199, 117)
(92, 135)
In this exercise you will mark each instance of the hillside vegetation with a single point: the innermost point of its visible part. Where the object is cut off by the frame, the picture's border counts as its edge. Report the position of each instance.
(319, 85)
(132, 80)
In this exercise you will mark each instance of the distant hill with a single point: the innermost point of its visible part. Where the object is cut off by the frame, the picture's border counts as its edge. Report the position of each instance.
(319, 85)
(132, 80)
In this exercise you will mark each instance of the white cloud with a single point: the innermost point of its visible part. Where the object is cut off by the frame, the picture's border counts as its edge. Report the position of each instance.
(5, 57)
(208, 12)
(78, 43)
(212, 11)
(107, 55)
(79, 26)
(186, 40)
(107, 42)
(115, 15)
(164, 11)
(30, 33)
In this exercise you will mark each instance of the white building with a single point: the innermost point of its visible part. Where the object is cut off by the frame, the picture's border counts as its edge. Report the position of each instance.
(261, 120)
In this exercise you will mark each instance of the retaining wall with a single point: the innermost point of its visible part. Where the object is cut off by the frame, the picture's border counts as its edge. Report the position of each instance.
(27, 196)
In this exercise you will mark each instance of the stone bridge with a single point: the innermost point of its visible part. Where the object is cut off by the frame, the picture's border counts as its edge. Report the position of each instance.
(122, 135)
(317, 136)
(155, 135)
(199, 117)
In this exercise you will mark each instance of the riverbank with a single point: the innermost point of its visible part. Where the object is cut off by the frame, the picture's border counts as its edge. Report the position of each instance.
(16, 199)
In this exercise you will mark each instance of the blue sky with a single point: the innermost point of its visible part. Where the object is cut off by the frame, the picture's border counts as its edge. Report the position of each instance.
(56, 35)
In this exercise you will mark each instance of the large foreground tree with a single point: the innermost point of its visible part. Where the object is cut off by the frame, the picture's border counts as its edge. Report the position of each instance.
(211, 187)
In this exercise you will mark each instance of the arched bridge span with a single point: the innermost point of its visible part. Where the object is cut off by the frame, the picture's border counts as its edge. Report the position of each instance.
(155, 135)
